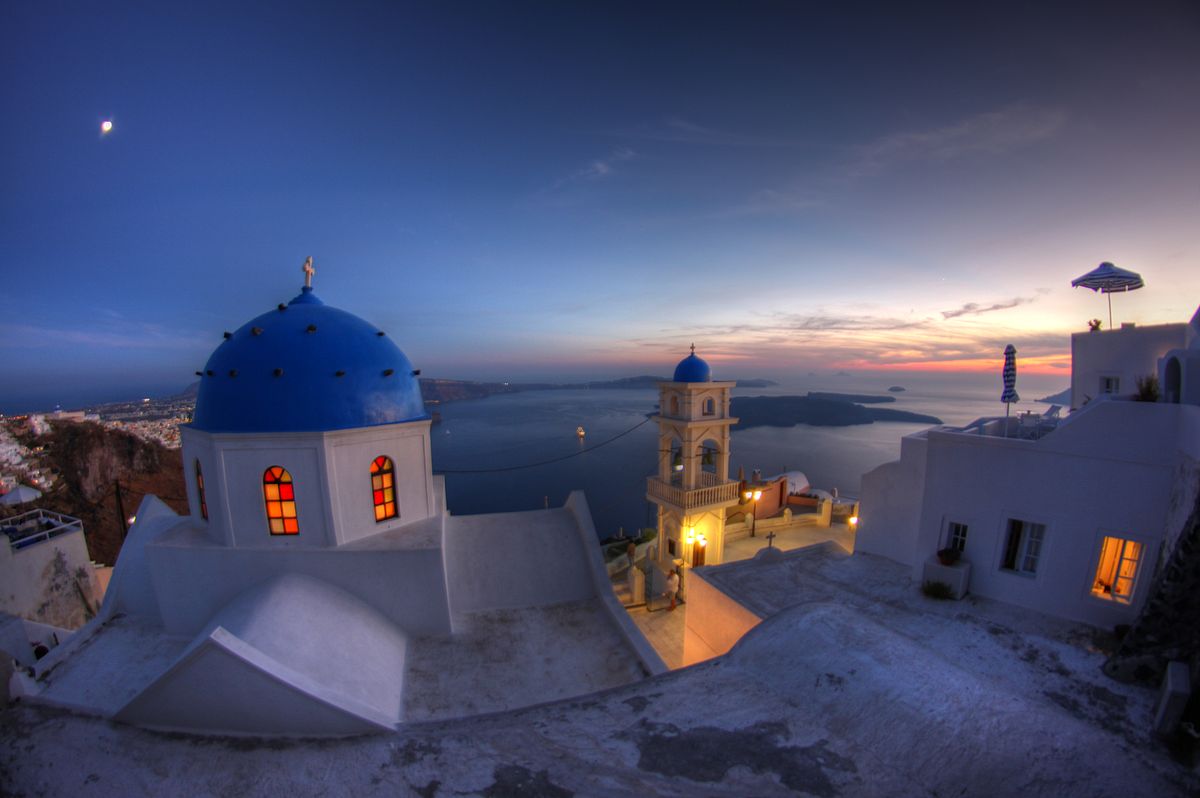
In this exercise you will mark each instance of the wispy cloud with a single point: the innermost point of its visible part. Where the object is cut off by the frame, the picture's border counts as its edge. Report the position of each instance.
(682, 131)
(991, 133)
(859, 340)
(103, 336)
(776, 202)
(974, 308)
(599, 168)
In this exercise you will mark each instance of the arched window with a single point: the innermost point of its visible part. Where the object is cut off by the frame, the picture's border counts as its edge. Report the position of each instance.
(674, 405)
(383, 488)
(280, 497)
(200, 492)
(710, 407)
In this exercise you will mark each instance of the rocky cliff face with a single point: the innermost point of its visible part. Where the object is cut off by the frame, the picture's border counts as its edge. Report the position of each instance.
(91, 460)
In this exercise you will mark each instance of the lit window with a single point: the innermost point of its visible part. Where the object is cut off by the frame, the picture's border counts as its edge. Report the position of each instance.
(957, 536)
(383, 488)
(280, 497)
(1023, 546)
(1117, 569)
(200, 492)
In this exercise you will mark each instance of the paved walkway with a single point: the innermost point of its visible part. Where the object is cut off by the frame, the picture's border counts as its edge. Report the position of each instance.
(664, 629)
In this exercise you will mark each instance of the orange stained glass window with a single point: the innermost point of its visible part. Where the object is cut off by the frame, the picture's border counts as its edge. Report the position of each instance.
(383, 488)
(200, 492)
(280, 497)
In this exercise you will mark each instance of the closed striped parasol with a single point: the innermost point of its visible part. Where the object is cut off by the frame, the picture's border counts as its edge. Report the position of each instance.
(1109, 279)
(1010, 378)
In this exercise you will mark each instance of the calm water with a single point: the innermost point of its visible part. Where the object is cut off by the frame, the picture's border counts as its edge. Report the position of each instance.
(516, 429)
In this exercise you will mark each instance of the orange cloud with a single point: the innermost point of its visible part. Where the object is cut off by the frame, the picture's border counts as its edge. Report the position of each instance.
(1055, 364)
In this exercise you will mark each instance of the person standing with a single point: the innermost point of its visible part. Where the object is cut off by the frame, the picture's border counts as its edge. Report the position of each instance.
(672, 587)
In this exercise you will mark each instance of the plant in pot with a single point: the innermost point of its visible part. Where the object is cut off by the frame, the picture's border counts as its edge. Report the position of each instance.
(948, 556)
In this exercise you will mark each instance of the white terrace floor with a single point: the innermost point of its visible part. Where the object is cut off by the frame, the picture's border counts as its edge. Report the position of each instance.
(664, 628)
(855, 685)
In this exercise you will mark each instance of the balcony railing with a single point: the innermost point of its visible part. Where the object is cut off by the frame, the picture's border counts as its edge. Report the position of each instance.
(691, 499)
(36, 526)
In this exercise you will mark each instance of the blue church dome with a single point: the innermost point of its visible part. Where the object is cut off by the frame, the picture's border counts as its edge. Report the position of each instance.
(306, 367)
(693, 369)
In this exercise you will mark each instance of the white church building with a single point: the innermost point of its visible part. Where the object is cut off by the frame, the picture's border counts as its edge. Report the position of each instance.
(318, 563)
(1072, 517)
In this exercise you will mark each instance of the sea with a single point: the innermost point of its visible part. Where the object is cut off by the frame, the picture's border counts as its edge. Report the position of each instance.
(490, 449)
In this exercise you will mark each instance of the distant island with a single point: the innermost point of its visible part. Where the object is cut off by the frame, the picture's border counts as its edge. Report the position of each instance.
(1060, 398)
(858, 398)
(440, 391)
(897, 389)
(819, 410)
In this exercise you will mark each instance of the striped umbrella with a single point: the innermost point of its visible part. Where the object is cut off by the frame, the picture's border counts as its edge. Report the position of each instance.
(1010, 378)
(1108, 279)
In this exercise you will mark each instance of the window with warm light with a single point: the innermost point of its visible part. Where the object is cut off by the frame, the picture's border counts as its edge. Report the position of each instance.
(1117, 570)
(383, 488)
(1023, 546)
(200, 492)
(280, 496)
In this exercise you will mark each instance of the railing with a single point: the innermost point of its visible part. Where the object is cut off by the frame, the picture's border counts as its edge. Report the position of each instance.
(36, 526)
(690, 499)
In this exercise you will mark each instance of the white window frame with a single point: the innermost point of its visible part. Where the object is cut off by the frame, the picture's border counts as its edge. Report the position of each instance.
(1023, 553)
(1098, 550)
(951, 535)
(1110, 380)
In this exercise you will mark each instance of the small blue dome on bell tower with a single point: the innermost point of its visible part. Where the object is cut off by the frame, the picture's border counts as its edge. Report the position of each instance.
(693, 369)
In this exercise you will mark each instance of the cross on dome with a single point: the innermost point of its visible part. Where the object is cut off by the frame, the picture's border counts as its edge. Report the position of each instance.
(309, 271)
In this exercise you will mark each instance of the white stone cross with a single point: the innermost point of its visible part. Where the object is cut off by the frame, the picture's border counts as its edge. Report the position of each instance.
(309, 271)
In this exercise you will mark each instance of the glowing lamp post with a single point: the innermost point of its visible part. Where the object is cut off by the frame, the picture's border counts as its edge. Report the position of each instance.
(753, 496)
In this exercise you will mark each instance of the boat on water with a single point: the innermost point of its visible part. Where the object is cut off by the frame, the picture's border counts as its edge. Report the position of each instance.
(579, 433)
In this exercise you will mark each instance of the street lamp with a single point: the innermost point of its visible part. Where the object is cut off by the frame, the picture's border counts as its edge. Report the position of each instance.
(754, 496)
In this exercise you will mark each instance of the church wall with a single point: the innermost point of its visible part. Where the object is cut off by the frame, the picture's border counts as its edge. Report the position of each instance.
(350, 455)
(242, 469)
(523, 559)
(198, 446)
(194, 582)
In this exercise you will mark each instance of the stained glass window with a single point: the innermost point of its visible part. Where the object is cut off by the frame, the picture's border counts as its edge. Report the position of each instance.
(383, 488)
(200, 492)
(280, 497)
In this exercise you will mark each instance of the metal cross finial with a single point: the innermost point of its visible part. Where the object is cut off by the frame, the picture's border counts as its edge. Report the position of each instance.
(309, 271)
(771, 539)
(693, 349)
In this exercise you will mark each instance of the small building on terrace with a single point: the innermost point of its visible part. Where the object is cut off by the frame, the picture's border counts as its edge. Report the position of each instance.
(1074, 517)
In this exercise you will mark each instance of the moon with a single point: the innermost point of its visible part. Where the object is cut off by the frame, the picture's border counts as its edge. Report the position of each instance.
(106, 127)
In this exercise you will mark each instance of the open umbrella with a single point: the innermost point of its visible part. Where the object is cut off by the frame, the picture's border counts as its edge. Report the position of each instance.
(1109, 279)
(1010, 380)
(20, 495)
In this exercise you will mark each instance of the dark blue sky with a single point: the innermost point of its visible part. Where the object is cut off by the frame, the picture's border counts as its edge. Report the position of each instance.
(561, 189)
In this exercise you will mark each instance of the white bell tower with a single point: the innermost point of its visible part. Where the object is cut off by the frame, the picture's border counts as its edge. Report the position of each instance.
(692, 487)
